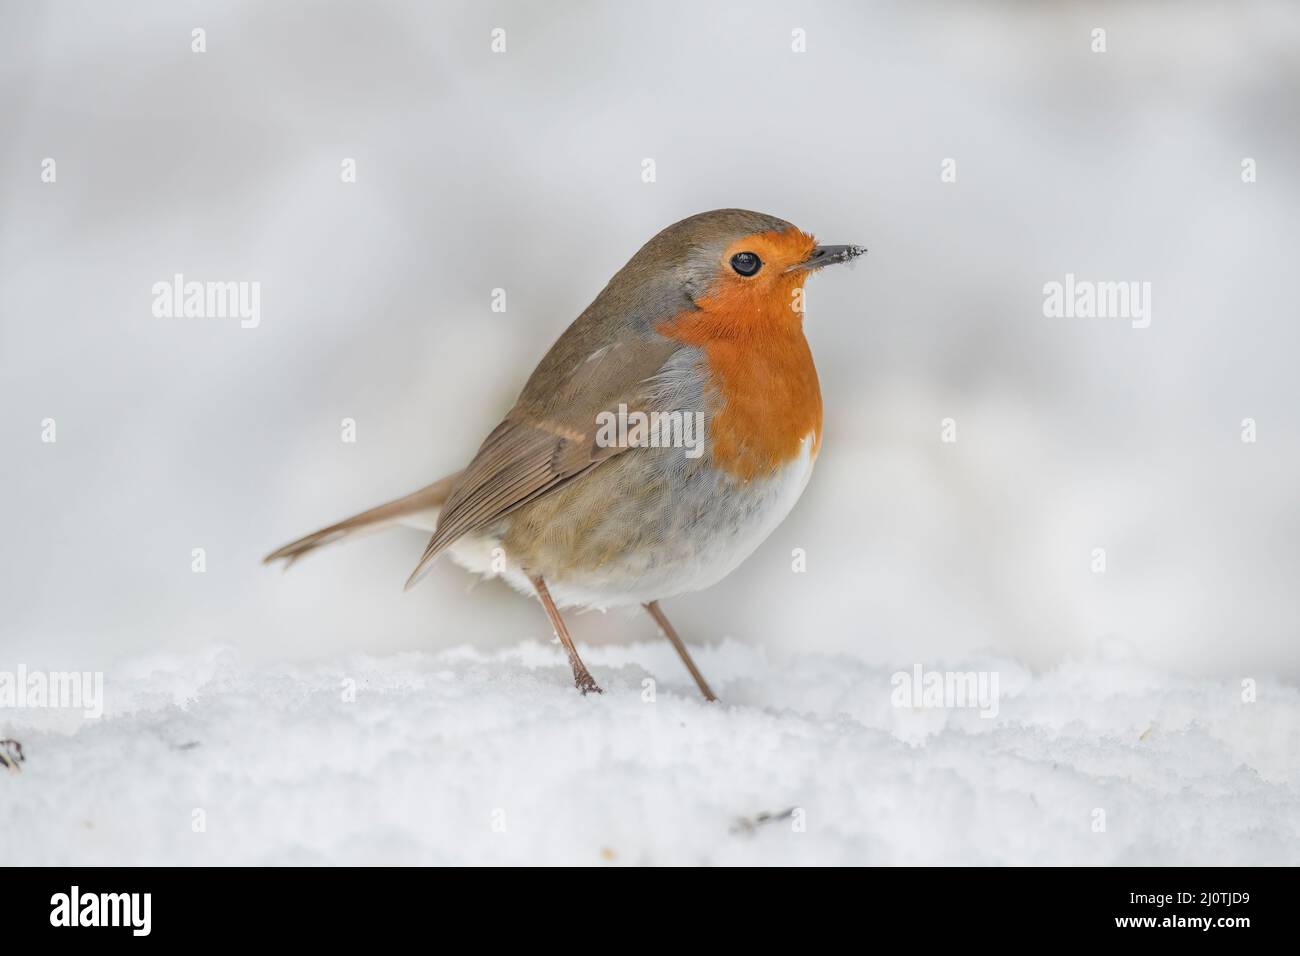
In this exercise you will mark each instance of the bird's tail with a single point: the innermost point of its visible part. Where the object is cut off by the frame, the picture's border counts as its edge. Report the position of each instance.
(417, 510)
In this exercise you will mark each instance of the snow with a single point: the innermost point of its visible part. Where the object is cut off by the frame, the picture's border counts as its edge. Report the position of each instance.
(465, 756)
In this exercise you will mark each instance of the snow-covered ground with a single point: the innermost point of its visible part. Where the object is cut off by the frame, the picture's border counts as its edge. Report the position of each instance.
(466, 757)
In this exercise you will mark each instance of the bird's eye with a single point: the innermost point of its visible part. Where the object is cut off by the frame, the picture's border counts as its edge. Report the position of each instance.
(746, 263)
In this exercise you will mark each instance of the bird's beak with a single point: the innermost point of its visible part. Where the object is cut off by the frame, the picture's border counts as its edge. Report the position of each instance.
(827, 255)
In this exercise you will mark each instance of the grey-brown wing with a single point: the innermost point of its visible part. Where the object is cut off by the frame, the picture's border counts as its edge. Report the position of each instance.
(544, 443)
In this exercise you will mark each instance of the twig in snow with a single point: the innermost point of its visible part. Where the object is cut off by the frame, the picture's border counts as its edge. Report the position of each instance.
(11, 754)
(747, 825)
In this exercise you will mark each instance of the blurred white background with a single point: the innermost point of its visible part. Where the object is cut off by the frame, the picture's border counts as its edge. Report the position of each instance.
(522, 171)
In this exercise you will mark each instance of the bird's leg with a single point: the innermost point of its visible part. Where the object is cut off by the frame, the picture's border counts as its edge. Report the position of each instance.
(670, 632)
(582, 678)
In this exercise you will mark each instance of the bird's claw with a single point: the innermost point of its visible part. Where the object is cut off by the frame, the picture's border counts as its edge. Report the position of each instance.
(587, 684)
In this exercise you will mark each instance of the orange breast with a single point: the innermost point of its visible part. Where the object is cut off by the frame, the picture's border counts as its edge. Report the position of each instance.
(763, 371)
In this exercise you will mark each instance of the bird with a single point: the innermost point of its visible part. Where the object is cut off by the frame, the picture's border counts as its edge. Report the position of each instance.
(667, 432)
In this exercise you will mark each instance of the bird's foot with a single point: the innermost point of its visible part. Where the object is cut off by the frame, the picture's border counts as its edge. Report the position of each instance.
(583, 680)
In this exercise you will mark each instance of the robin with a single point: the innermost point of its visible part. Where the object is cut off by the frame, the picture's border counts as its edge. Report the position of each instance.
(597, 490)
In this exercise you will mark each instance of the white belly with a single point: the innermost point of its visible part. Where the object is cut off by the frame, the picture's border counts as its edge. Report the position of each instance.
(728, 520)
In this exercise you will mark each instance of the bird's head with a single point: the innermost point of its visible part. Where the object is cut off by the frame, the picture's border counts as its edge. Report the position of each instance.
(733, 269)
